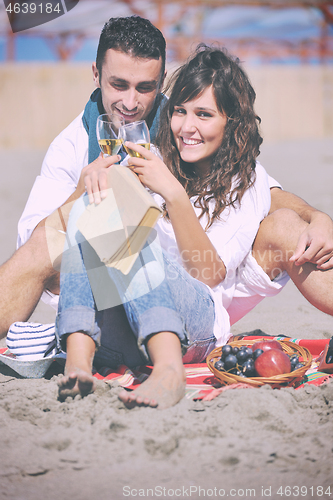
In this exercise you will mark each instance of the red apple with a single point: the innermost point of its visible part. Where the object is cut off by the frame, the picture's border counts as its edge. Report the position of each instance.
(265, 345)
(272, 362)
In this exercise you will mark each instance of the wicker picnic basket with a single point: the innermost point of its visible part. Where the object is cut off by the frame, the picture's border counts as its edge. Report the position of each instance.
(284, 380)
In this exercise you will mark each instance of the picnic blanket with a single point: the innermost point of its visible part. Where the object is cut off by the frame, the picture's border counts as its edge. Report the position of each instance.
(201, 382)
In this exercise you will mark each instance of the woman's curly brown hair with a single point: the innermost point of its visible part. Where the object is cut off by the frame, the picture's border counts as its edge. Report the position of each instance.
(233, 167)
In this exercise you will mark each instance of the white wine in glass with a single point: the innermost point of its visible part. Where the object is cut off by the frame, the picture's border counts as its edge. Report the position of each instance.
(137, 132)
(133, 153)
(110, 147)
(107, 131)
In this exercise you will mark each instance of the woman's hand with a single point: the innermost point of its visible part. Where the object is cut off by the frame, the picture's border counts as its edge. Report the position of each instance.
(94, 177)
(199, 256)
(153, 173)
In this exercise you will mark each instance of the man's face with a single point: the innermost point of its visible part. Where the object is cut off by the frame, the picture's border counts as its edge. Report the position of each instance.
(129, 84)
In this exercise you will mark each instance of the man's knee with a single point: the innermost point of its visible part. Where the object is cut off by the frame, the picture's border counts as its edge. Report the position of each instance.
(280, 228)
(34, 256)
(283, 218)
(276, 240)
(35, 248)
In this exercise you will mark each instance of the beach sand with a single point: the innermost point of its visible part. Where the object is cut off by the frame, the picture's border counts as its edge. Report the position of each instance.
(246, 443)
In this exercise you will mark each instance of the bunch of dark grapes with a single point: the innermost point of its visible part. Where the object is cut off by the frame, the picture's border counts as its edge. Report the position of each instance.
(295, 362)
(238, 360)
(241, 361)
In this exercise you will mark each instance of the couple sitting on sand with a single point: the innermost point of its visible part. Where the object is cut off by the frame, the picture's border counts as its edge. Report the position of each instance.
(229, 235)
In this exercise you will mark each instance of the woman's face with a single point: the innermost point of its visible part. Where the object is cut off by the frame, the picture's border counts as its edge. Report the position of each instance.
(198, 129)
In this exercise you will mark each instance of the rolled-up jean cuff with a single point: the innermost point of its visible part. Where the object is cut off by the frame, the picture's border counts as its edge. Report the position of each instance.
(77, 319)
(160, 319)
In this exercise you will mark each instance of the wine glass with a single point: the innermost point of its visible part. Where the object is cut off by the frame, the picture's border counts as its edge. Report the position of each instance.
(137, 132)
(107, 131)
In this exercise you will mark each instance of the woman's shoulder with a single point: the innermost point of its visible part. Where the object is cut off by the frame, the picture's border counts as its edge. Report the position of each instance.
(260, 171)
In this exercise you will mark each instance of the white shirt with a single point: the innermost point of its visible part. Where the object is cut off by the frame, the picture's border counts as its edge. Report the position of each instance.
(232, 237)
(60, 173)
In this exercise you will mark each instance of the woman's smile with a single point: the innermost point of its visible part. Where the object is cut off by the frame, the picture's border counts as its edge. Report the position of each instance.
(191, 142)
(198, 129)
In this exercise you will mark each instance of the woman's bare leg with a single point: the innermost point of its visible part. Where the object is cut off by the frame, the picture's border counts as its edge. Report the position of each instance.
(78, 378)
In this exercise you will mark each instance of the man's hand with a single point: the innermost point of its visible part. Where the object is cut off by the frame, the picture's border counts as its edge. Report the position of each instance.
(94, 177)
(316, 243)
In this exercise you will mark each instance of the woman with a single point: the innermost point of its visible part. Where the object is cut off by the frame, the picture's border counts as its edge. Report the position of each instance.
(214, 196)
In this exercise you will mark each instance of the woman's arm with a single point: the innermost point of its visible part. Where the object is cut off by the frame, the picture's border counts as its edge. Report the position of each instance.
(198, 254)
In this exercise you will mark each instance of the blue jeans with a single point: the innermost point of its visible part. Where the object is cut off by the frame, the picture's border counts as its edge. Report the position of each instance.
(157, 295)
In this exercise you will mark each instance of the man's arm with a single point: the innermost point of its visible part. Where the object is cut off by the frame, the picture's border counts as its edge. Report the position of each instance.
(59, 177)
(61, 181)
(316, 242)
(59, 218)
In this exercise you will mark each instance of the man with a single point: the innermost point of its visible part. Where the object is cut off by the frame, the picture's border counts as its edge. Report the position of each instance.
(129, 74)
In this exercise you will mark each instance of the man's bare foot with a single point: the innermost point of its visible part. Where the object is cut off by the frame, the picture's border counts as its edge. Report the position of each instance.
(76, 382)
(165, 387)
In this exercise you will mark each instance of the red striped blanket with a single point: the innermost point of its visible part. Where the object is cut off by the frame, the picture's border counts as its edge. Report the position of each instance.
(200, 381)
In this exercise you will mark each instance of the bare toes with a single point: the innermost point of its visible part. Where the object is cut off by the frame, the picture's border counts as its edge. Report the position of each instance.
(132, 399)
(67, 381)
(86, 387)
(75, 383)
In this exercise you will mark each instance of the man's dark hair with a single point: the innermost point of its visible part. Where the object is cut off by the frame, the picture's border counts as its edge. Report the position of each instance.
(132, 35)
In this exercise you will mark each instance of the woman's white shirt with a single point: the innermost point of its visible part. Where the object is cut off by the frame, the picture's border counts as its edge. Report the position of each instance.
(232, 236)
